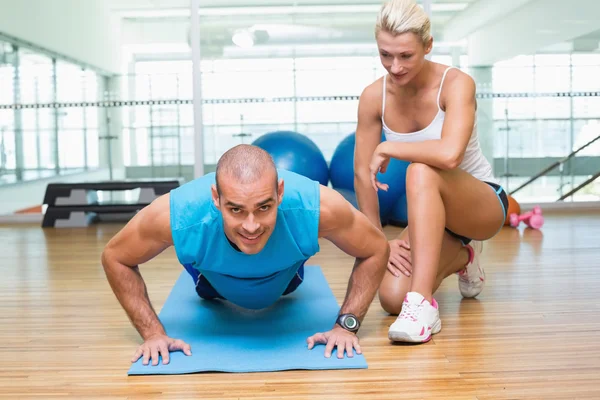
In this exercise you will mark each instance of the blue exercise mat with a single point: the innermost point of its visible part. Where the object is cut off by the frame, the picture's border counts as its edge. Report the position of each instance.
(227, 338)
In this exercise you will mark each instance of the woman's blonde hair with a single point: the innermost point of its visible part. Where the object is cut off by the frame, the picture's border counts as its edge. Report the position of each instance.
(401, 16)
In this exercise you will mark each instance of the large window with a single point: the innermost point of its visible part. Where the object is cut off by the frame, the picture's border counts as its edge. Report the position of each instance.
(551, 110)
(537, 114)
(41, 140)
(244, 98)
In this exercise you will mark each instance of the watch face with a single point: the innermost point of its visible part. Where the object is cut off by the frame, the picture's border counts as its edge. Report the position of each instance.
(351, 322)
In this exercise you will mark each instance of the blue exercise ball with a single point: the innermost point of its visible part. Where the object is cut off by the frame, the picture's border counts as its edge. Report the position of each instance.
(341, 173)
(399, 214)
(350, 196)
(341, 167)
(295, 152)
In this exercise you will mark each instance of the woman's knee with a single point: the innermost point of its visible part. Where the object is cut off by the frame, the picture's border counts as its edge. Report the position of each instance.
(392, 292)
(419, 174)
(390, 306)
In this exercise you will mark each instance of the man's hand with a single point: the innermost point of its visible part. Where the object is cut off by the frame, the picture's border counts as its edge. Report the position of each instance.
(162, 344)
(400, 260)
(337, 337)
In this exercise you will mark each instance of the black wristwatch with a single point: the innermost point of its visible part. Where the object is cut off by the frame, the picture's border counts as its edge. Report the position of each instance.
(349, 322)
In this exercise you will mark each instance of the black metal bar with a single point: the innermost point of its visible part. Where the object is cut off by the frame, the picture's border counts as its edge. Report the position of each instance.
(554, 165)
(587, 182)
(126, 103)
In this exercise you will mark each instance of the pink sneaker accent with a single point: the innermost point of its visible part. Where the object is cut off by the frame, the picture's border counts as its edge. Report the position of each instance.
(418, 320)
(471, 253)
(471, 279)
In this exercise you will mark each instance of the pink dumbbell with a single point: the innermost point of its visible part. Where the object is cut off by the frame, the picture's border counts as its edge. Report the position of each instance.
(532, 219)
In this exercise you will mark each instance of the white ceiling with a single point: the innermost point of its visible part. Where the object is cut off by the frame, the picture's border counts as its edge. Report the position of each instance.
(307, 21)
(347, 26)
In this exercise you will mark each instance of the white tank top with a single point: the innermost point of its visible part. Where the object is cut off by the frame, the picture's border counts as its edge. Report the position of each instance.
(473, 162)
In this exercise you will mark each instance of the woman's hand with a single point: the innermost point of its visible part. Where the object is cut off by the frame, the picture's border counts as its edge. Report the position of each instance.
(400, 261)
(379, 163)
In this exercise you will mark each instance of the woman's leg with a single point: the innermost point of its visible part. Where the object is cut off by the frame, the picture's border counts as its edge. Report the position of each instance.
(393, 289)
(439, 199)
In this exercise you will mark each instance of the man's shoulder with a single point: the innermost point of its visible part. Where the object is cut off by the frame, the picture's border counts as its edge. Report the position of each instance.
(300, 192)
(299, 211)
(335, 210)
(191, 203)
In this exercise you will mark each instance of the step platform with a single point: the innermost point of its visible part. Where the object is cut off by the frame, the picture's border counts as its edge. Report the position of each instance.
(76, 205)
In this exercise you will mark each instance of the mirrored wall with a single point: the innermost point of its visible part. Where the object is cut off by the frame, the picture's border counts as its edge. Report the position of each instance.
(39, 139)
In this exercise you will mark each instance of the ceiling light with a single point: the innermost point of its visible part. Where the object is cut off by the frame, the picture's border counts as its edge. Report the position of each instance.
(243, 38)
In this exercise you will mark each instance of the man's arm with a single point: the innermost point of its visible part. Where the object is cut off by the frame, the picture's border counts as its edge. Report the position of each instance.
(145, 236)
(352, 232)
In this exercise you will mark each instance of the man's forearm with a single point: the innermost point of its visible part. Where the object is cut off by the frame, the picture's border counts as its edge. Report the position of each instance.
(363, 284)
(129, 287)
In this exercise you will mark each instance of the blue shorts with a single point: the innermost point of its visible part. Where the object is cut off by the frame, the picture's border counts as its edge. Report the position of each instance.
(502, 197)
(206, 291)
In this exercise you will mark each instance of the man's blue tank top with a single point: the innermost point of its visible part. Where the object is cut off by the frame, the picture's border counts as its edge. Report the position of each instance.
(250, 281)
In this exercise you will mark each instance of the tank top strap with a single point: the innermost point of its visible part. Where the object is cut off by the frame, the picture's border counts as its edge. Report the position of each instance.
(441, 85)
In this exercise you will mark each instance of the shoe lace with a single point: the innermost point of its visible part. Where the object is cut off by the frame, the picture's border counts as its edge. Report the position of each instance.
(410, 311)
(471, 274)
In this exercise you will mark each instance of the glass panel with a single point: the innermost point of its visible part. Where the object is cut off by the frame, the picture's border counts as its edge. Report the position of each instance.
(580, 59)
(327, 111)
(586, 131)
(31, 145)
(519, 61)
(553, 138)
(586, 78)
(586, 107)
(552, 79)
(36, 78)
(7, 149)
(39, 130)
(344, 76)
(552, 107)
(513, 79)
(70, 148)
(70, 82)
(92, 148)
(552, 60)
(7, 134)
(586, 161)
(514, 108)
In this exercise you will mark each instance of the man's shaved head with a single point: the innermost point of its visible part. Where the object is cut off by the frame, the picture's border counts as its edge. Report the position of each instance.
(248, 193)
(245, 164)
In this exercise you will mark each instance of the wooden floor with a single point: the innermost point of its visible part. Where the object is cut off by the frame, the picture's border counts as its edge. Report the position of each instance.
(534, 333)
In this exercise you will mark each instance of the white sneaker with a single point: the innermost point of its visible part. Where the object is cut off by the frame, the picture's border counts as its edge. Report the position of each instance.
(418, 320)
(471, 279)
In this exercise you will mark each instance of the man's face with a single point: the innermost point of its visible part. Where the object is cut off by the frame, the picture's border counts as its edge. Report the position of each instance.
(249, 210)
